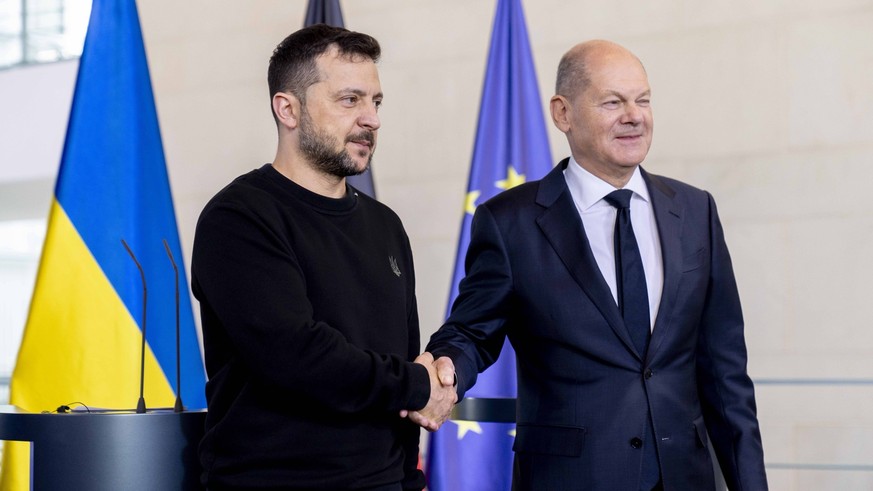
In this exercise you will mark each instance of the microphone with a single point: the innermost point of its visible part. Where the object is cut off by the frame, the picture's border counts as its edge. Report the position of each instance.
(140, 405)
(178, 408)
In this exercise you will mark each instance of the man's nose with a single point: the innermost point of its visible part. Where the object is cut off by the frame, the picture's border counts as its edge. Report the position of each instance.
(370, 118)
(633, 113)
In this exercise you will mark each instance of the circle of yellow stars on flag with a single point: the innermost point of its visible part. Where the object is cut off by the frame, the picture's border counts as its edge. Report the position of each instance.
(513, 178)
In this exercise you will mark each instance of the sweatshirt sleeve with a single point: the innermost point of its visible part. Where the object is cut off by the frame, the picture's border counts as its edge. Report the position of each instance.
(413, 477)
(246, 277)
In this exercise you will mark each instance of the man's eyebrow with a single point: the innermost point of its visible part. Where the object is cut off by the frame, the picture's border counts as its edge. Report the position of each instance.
(357, 92)
(620, 95)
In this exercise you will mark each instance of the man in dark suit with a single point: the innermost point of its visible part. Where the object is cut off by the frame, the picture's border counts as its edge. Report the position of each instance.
(616, 289)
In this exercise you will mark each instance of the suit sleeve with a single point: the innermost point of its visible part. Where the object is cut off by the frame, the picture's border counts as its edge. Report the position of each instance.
(476, 329)
(250, 281)
(726, 390)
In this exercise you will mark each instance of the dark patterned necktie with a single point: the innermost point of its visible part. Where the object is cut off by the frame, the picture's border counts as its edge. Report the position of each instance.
(633, 297)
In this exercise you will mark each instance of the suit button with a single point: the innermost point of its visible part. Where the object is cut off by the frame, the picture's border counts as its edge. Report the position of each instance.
(636, 443)
(648, 373)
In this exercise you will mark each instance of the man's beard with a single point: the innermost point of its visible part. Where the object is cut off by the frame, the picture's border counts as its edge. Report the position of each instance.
(319, 147)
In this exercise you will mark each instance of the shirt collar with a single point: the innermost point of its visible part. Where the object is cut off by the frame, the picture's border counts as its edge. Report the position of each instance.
(591, 189)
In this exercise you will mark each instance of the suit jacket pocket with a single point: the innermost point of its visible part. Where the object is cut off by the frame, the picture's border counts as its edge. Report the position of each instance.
(567, 441)
(693, 261)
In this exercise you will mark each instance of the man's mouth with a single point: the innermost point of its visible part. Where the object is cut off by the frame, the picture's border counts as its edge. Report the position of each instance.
(362, 139)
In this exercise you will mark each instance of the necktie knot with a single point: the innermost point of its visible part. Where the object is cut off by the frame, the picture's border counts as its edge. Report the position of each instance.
(619, 198)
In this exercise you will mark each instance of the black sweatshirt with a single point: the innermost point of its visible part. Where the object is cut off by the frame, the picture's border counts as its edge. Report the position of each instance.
(309, 326)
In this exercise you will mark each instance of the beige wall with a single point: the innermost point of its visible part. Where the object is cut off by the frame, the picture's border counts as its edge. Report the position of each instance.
(768, 104)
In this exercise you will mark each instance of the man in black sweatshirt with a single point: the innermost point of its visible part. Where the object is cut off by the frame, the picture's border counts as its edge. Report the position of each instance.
(307, 295)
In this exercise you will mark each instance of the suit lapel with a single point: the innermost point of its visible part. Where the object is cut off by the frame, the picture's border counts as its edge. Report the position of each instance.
(562, 227)
(668, 216)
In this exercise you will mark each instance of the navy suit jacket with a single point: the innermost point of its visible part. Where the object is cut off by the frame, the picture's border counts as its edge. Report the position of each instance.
(583, 389)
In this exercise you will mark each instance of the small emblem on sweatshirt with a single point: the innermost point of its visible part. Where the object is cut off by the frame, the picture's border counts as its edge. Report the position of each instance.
(394, 267)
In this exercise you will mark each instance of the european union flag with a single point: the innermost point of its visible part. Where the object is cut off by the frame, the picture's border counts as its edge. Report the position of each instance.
(329, 12)
(511, 147)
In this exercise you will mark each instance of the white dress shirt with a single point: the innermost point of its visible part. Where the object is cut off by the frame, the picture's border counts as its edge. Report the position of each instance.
(598, 218)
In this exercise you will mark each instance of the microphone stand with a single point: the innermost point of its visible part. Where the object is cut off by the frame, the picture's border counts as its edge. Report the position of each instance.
(178, 407)
(140, 405)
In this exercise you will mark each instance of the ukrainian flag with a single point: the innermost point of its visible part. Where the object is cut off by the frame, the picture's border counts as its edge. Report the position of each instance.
(83, 333)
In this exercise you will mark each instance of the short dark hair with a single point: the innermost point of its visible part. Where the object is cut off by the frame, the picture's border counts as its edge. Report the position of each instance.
(293, 68)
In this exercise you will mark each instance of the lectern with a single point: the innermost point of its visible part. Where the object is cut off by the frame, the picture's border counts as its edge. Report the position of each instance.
(109, 450)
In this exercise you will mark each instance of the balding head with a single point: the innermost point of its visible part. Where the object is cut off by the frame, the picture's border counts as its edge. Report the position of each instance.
(574, 70)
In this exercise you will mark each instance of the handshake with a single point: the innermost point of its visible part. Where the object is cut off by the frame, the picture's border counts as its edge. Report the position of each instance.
(443, 394)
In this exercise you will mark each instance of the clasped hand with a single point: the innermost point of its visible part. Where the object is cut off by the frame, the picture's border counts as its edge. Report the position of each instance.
(443, 394)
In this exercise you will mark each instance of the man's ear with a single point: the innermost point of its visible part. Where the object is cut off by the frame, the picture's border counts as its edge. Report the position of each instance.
(560, 108)
(287, 109)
